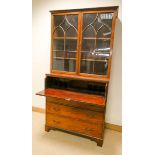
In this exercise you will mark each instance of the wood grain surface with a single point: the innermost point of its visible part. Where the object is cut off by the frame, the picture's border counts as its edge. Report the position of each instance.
(73, 96)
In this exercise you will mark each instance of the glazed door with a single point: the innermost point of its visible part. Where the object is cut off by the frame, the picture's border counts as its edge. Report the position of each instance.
(64, 42)
(96, 37)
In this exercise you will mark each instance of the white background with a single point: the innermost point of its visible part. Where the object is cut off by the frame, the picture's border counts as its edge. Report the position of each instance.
(16, 77)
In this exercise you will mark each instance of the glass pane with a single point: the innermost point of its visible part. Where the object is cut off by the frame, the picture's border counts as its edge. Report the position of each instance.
(72, 21)
(103, 32)
(58, 32)
(89, 32)
(102, 45)
(106, 25)
(89, 51)
(88, 44)
(70, 54)
(94, 55)
(65, 25)
(63, 64)
(58, 20)
(88, 19)
(58, 64)
(94, 67)
(95, 49)
(71, 45)
(71, 32)
(58, 44)
(97, 25)
(69, 65)
(58, 54)
(88, 28)
(65, 42)
(100, 68)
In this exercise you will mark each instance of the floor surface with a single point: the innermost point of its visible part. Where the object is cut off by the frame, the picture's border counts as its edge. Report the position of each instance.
(59, 143)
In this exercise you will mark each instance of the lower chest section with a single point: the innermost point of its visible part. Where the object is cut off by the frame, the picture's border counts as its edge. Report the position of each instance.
(75, 119)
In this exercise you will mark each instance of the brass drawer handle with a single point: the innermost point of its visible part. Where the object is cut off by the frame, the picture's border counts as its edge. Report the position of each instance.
(89, 129)
(91, 115)
(56, 109)
(67, 99)
(56, 122)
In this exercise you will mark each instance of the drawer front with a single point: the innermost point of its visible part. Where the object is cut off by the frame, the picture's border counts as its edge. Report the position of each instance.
(80, 105)
(94, 130)
(76, 113)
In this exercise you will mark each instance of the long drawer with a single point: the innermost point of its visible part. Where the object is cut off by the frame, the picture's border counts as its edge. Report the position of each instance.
(69, 102)
(75, 113)
(57, 121)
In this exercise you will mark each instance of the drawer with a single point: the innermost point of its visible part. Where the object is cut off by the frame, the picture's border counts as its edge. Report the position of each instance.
(76, 113)
(69, 102)
(57, 121)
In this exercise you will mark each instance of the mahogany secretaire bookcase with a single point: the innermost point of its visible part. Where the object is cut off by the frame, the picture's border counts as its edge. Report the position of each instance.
(76, 87)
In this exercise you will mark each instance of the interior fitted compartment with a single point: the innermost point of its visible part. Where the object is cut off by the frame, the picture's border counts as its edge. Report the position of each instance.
(88, 87)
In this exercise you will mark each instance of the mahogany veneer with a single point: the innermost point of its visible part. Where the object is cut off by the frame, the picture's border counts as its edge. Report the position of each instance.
(73, 96)
(83, 127)
(74, 112)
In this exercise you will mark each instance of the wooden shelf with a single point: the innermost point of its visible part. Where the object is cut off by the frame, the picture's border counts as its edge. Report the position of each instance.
(64, 37)
(73, 96)
(92, 38)
(62, 51)
(58, 50)
(62, 58)
(97, 78)
(94, 60)
(100, 51)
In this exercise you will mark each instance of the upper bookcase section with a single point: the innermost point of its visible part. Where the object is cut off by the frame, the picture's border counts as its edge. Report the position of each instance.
(82, 41)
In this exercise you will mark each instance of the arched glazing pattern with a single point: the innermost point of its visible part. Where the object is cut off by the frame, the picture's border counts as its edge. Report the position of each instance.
(65, 42)
(99, 24)
(65, 25)
(96, 35)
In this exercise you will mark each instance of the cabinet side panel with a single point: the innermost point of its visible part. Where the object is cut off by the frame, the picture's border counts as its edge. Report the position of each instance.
(112, 41)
